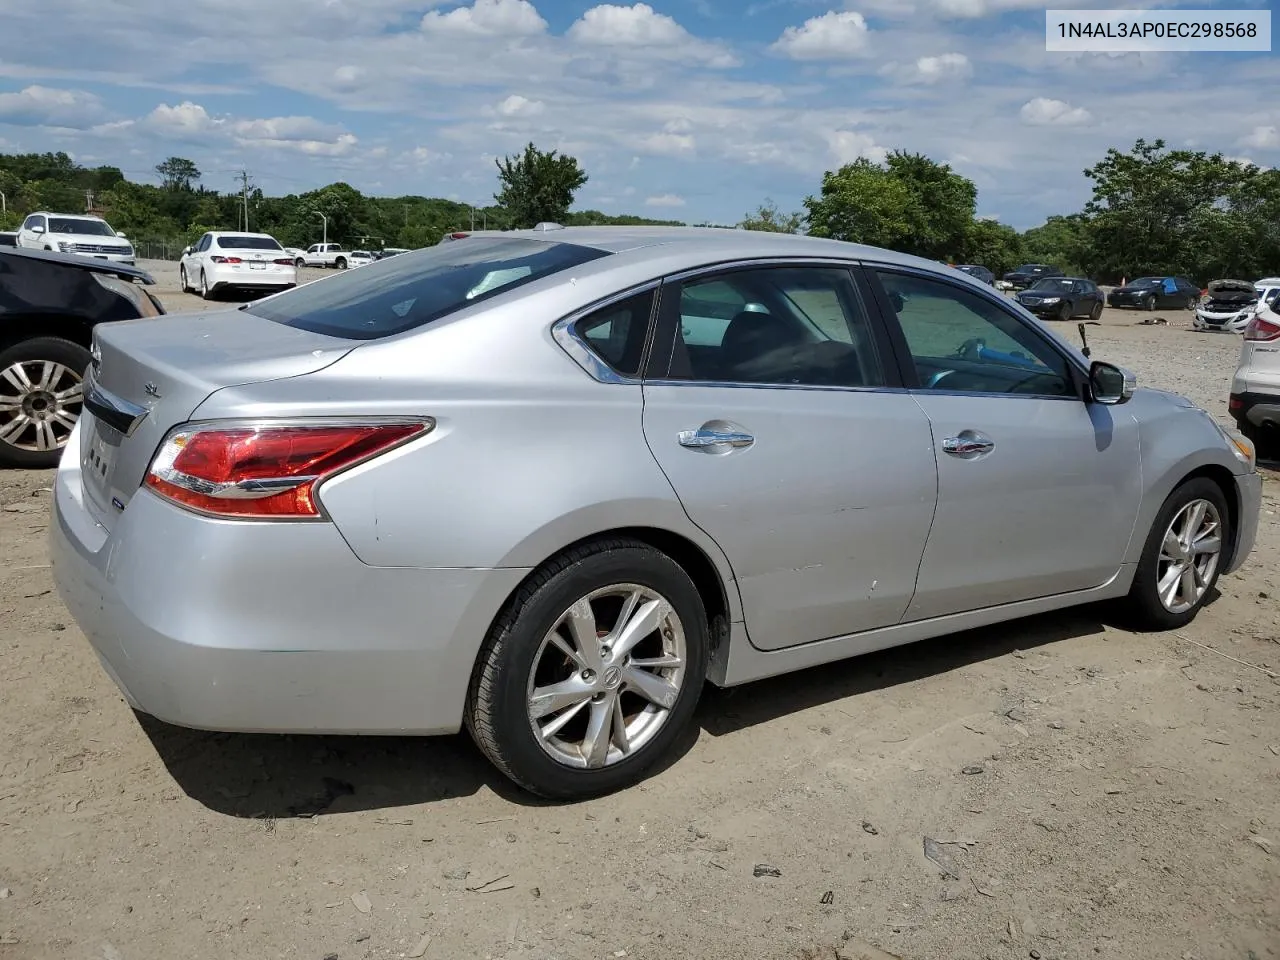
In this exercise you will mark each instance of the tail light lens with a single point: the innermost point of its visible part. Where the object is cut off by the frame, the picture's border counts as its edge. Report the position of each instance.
(1260, 328)
(226, 259)
(263, 470)
(285, 262)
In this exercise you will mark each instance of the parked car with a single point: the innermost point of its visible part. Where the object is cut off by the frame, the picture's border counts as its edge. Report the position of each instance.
(225, 260)
(979, 273)
(78, 233)
(49, 304)
(1156, 293)
(1061, 298)
(325, 255)
(391, 252)
(1229, 306)
(307, 502)
(1255, 388)
(1029, 273)
(8, 238)
(361, 258)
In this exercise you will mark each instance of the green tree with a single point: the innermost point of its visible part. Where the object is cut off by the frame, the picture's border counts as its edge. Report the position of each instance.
(178, 173)
(1059, 241)
(538, 186)
(992, 244)
(769, 219)
(942, 204)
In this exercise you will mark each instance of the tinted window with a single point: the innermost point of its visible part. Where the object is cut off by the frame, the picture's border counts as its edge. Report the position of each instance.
(962, 341)
(616, 333)
(779, 325)
(390, 296)
(248, 243)
(92, 228)
(8, 239)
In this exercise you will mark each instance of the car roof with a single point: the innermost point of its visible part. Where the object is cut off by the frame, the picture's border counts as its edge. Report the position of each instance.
(238, 233)
(74, 216)
(92, 264)
(708, 244)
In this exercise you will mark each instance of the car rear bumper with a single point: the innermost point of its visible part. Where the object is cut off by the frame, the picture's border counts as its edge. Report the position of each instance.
(1261, 410)
(242, 275)
(266, 627)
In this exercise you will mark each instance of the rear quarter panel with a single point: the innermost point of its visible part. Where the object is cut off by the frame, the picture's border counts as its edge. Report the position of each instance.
(529, 454)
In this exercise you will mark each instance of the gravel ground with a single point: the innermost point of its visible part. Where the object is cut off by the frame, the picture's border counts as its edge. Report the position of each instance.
(1083, 791)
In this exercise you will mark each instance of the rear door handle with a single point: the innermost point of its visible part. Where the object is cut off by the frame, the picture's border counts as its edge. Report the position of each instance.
(968, 445)
(701, 438)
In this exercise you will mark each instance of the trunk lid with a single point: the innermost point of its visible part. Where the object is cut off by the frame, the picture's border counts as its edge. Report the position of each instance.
(149, 375)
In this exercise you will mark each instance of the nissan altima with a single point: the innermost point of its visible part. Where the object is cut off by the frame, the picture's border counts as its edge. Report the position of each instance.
(545, 484)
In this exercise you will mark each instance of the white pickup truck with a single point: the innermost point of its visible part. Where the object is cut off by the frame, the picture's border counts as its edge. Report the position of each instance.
(324, 255)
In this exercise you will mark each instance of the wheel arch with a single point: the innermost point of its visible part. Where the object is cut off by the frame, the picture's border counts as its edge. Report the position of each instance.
(1225, 480)
(15, 329)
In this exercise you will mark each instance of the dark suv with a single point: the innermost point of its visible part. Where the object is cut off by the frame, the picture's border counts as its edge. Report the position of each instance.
(49, 304)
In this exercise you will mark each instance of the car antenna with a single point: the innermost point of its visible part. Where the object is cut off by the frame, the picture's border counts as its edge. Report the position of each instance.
(1084, 339)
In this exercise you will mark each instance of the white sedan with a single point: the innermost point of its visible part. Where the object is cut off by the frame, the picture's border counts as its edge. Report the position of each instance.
(360, 258)
(226, 260)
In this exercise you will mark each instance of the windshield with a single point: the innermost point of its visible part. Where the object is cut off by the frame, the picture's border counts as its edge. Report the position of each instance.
(1049, 285)
(400, 293)
(969, 268)
(1031, 268)
(248, 243)
(90, 228)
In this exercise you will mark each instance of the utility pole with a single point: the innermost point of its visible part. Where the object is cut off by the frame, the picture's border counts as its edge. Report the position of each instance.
(4, 204)
(326, 227)
(88, 201)
(473, 219)
(244, 196)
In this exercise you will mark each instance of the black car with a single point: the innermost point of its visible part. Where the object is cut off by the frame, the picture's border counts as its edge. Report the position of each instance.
(49, 305)
(978, 273)
(8, 238)
(1153, 293)
(1061, 298)
(1029, 273)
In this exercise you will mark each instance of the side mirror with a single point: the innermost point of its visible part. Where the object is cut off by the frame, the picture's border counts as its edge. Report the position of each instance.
(37, 229)
(186, 251)
(1109, 384)
(122, 236)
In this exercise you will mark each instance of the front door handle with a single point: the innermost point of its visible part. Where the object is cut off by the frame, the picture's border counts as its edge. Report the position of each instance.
(968, 445)
(704, 437)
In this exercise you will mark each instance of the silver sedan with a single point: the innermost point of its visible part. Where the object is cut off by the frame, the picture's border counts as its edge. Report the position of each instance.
(545, 484)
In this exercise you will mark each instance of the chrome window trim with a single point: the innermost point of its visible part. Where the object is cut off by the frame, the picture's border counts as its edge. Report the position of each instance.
(576, 345)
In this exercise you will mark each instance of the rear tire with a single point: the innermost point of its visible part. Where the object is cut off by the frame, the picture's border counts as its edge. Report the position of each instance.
(205, 292)
(341, 263)
(1096, 313)
(1147, 606)
(35, 415)
(586, 587)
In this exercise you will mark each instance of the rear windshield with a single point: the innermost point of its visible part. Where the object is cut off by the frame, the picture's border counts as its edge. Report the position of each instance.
(248, 243)
(400, 293)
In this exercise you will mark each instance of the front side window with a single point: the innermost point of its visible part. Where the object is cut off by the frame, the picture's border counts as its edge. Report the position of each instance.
(774, 325)
(401, 293)
(960, 341)
(617, 333)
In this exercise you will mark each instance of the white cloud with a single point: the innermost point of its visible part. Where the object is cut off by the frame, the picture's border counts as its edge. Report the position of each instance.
(640, 27)
(1262, 138)
(506, 18)
(849, 145)
(36, 106)
(1044, 112)
(944, 68)
(518, 106)
(664, 200)
(192, 123)
(973, 9)
(832, 36)
(674, 140)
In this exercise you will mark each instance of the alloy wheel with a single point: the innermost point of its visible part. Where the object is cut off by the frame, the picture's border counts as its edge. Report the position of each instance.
(1189, 556)
(606, 676)
(40, 402)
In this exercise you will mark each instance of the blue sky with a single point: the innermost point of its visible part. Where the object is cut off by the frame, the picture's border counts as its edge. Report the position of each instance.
(689, 109)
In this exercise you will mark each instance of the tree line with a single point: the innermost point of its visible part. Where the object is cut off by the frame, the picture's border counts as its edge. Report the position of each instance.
(1154, 210)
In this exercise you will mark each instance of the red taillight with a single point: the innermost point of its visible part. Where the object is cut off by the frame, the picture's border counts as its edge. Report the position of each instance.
(1235, 403)
(226, 259)
(1260, 328)
(263, 470)
(286, 262)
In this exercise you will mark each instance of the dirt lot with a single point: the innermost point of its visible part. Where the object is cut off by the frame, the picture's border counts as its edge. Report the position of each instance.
(1095, 793)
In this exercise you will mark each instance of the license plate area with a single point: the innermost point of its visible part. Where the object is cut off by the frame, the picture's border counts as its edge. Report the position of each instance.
(99, 447)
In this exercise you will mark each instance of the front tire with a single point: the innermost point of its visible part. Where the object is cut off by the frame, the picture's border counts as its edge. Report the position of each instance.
(41, 396)
(299, 263)
(182, 280)
(1064, 312)
(1182, 557)
(1149, 304)
(592, 672)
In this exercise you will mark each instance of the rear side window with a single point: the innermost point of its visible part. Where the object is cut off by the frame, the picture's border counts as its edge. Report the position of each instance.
(617, 333)
(400, 293)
